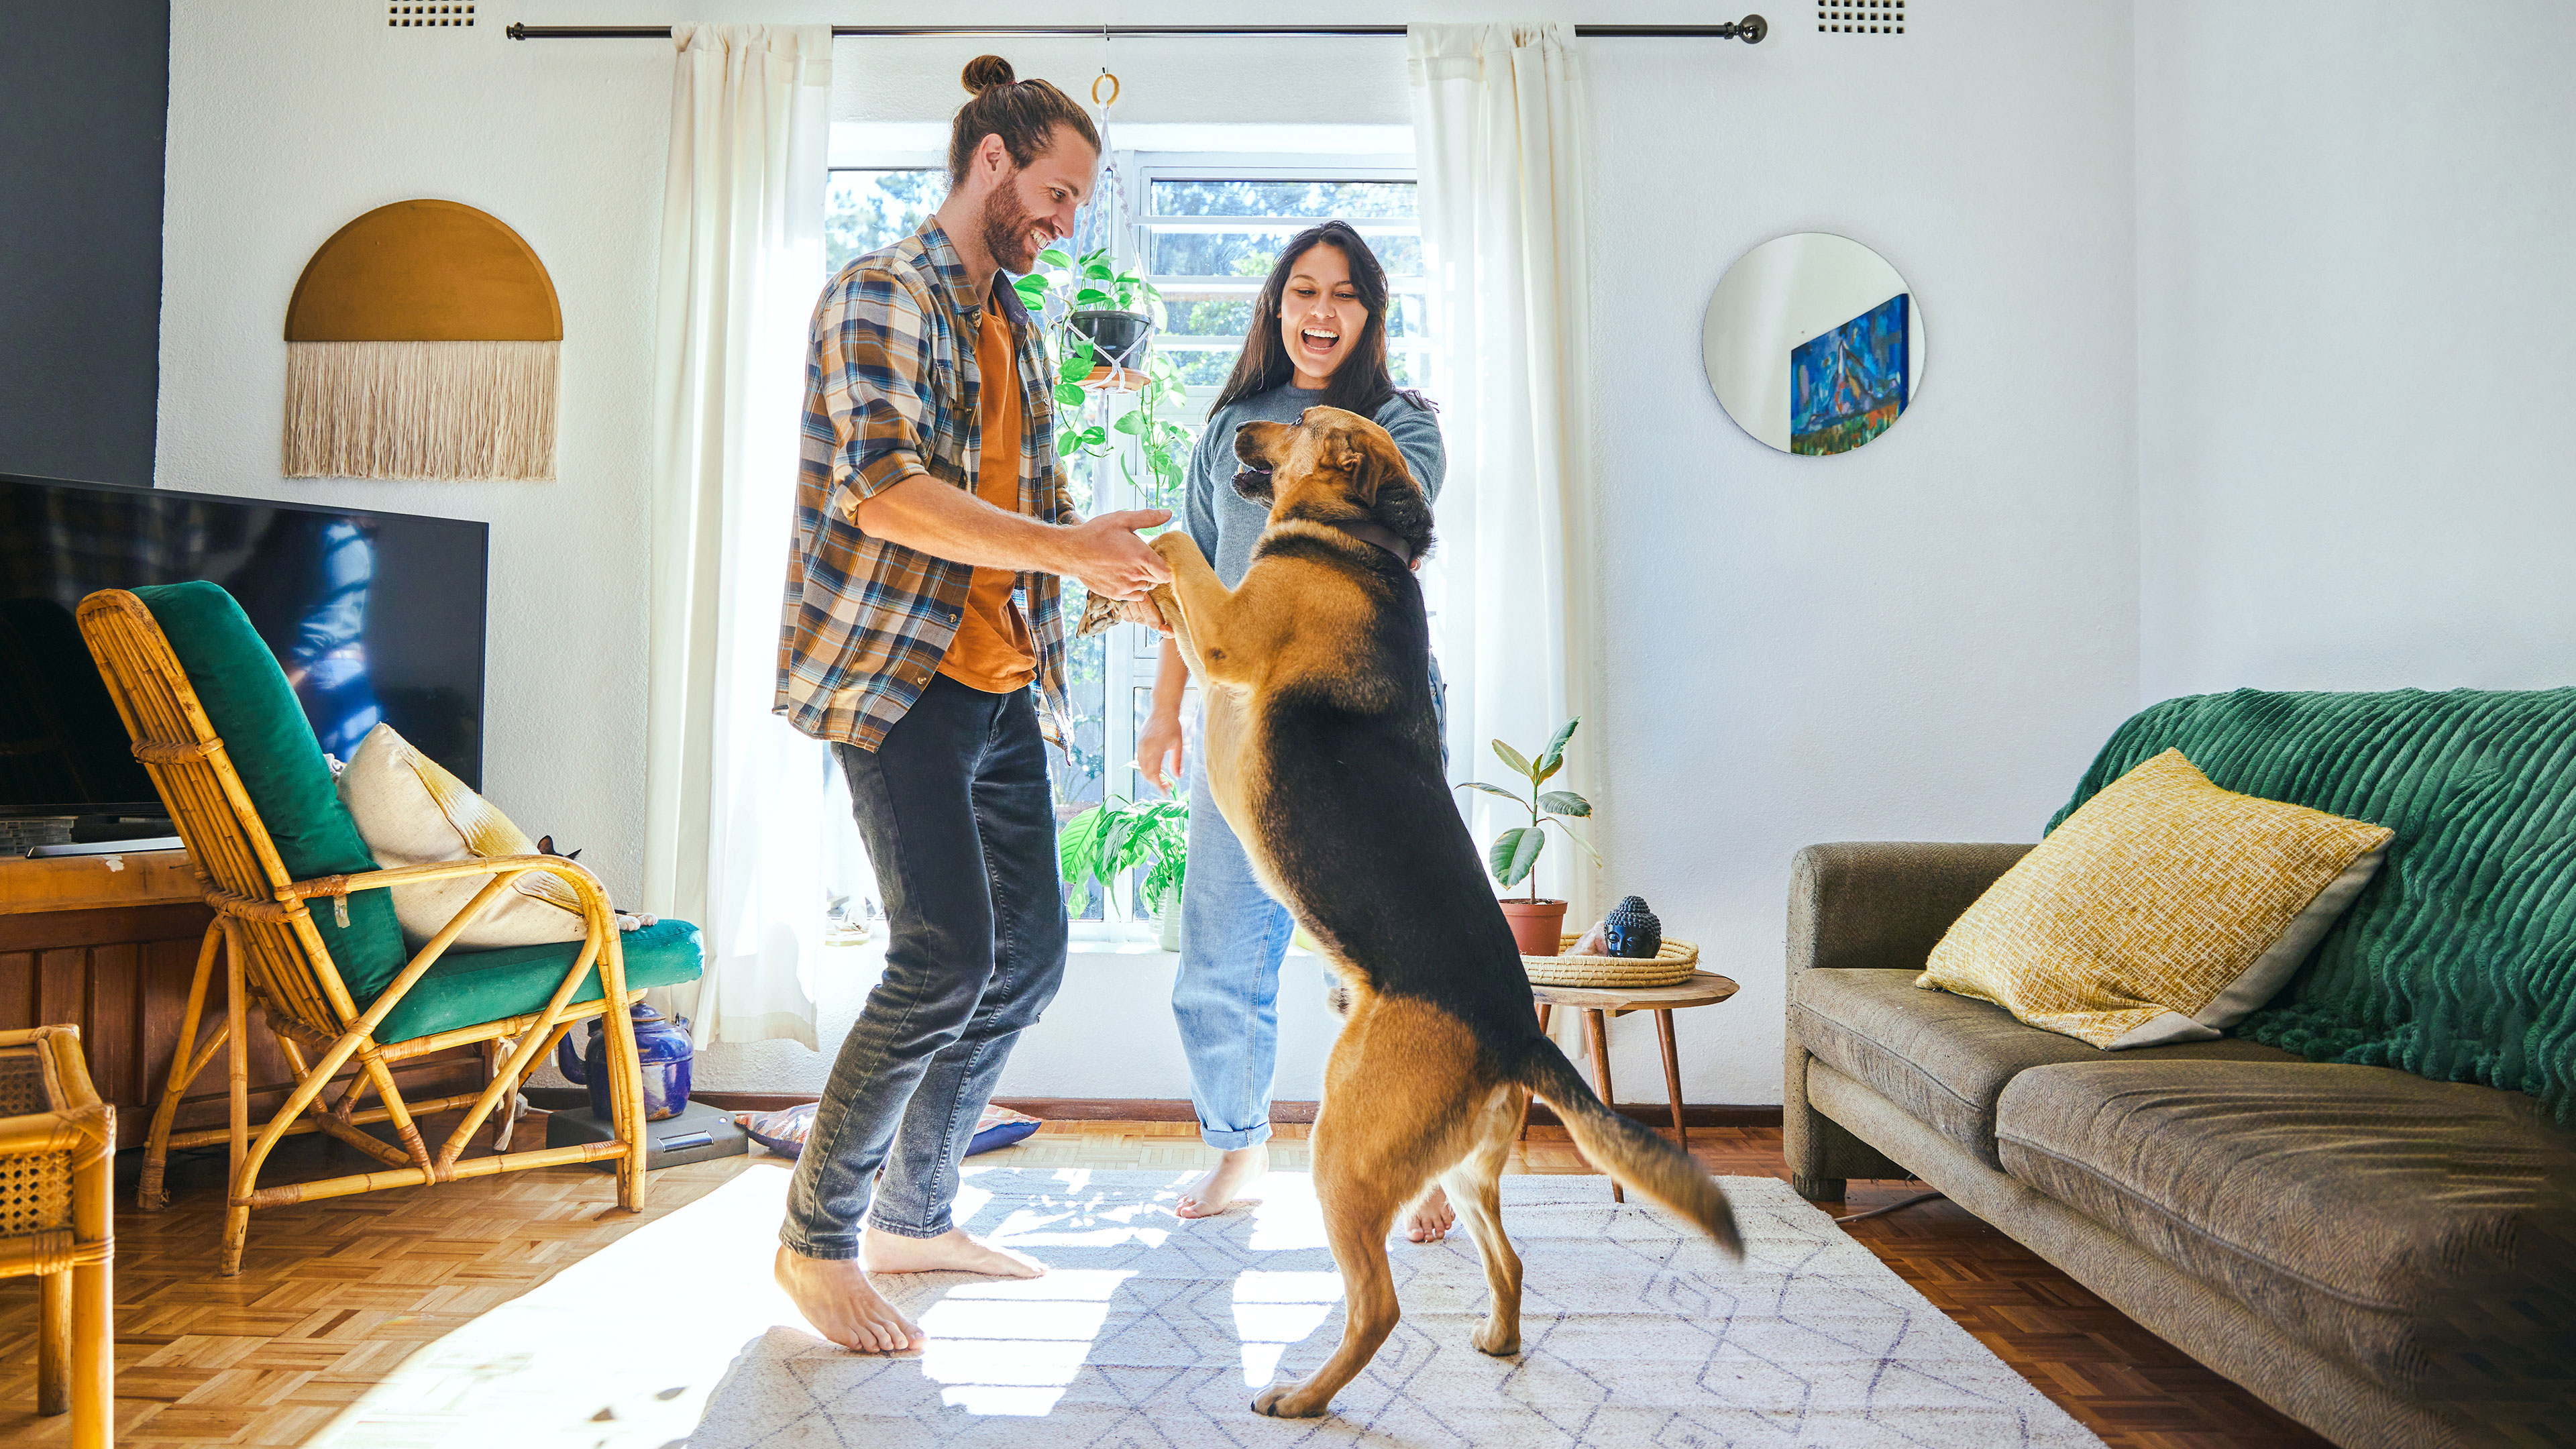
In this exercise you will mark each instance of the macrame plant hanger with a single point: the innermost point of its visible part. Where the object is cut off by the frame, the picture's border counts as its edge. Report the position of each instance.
(1102, 228)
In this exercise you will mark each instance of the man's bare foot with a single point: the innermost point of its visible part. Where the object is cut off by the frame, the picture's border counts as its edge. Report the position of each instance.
(836, 1298)
(1432, 1218)
(1219, 1188)
(950, 1252)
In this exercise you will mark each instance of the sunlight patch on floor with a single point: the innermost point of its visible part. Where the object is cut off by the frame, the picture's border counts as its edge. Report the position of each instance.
(620, 1349)
(1288, 1218)
(1013, 1346)
(1076, 1217)
(1275, 1310)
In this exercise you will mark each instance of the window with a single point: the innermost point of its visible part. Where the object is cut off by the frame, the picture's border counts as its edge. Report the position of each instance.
(1207, 229)
(865, 210)
(1210, 234)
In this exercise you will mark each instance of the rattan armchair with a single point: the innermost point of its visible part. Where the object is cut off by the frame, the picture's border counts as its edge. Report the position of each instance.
(273, 956)
(57, 1150)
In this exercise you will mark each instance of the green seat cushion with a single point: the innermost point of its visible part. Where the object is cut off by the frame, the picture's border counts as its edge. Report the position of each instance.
(2459, 962)
(469, 988)
(271, 744)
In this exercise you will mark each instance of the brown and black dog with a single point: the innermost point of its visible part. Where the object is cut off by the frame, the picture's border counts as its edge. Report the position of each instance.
(1323, 756)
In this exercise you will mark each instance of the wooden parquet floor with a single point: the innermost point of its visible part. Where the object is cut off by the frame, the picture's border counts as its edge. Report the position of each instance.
(335, 1296)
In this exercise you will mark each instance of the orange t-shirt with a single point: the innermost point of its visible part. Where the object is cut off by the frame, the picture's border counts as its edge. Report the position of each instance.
(993, 651)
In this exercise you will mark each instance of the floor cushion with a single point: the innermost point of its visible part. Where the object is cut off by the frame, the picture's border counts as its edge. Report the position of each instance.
(1943, 1058)
(2420, 1230)
(468, 988)
(271, 746)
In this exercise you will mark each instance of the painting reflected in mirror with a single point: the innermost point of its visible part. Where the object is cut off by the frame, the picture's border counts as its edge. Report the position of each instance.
(1813, 344)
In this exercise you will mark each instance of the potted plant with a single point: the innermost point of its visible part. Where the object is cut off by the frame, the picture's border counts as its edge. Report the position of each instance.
(1097, 302)
(1108, 840)
(1538, 925)
(1103, 318)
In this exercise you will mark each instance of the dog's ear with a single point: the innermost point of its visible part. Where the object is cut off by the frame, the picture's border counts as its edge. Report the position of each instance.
(1373, 464)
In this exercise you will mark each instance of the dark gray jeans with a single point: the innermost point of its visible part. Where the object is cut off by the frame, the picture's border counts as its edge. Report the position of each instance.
(960, 825)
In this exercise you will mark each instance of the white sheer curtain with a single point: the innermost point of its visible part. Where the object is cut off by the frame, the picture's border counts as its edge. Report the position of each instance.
(735, 798)
(1498, 144)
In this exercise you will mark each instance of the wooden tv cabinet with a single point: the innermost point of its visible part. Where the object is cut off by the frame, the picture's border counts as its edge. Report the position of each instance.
(108, 943)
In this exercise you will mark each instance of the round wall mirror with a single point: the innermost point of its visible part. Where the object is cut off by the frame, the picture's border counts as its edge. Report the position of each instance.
(1813, 343)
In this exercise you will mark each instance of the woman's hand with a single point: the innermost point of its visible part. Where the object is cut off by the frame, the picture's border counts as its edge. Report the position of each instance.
(1158, 746)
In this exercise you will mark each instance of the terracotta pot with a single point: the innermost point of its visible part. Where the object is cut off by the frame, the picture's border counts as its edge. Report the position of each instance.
(1537, 925)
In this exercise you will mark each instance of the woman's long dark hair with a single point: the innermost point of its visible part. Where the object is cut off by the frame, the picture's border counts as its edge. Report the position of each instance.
(1362, 383)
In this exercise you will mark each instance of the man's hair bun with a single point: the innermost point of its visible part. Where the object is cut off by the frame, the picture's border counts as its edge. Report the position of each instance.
(987, 71)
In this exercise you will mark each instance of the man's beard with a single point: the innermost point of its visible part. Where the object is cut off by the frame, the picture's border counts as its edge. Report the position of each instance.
(1005, 226)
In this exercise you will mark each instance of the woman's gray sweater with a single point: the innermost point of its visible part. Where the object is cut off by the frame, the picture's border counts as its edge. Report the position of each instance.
(1225, 523)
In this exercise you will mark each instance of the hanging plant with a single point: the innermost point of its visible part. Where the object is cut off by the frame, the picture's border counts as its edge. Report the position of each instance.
(1102, 322)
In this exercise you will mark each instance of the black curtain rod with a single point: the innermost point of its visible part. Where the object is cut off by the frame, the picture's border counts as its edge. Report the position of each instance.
(1750, 30)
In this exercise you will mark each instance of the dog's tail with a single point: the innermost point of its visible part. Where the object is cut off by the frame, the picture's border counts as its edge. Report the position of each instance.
(1627, 1151)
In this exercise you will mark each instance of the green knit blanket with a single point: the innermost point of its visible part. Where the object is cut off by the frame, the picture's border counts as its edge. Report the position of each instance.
(2459, 962)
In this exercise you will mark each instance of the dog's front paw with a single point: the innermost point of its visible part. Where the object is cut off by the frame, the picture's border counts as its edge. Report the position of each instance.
(1175, 543)
(1286, 1401)
(1497, 1340)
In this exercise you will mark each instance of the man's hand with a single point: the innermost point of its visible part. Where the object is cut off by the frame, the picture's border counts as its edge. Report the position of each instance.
(1159, 752)
(1108, 557)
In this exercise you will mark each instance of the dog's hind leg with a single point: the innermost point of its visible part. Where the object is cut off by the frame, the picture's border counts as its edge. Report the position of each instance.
(1392, 1118)
(1475, 1189)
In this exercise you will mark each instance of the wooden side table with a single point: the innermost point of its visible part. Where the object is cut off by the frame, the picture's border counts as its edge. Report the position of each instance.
(57, 1147)
(1600, 1003)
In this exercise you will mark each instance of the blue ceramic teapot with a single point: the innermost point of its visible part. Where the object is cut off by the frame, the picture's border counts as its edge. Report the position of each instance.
(661, 1043)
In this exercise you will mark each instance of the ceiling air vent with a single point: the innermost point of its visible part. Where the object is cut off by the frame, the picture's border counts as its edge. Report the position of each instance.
(1861, 17)
(405, 16)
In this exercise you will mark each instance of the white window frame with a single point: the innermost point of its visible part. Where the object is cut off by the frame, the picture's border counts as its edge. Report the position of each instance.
(1131, 661)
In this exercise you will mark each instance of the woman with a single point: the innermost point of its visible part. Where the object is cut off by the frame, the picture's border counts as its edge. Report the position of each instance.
(1317, 338)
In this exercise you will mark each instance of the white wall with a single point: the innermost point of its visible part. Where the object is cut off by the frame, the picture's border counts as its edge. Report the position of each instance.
(1924, 639)
(286, 121)
(2357, 344)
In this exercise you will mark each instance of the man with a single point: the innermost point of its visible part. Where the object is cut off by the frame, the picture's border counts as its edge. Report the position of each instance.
(921, 605)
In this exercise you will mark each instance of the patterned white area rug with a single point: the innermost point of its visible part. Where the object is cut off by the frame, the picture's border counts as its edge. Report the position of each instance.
(1150, 1331)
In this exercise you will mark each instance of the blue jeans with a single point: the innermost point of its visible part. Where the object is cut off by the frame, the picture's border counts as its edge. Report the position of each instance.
(1234, 934)
(960, 824)
(1226, 999)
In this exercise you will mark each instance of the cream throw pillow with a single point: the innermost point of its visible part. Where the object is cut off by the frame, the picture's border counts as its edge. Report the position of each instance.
(412, 812)
(2164, 909)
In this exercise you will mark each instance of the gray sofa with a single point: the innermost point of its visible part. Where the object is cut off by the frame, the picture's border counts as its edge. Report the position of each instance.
(2383, 1257)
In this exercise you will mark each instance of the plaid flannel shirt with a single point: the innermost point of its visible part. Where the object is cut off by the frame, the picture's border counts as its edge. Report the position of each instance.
(892, 391)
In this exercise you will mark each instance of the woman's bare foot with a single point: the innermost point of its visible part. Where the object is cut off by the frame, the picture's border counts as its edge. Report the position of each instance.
(950, 1252)
(836, 1298)
(1219, 1189)
(1432, 1218)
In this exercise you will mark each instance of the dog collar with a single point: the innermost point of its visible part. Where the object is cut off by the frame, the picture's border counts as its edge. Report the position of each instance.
(1379, 534)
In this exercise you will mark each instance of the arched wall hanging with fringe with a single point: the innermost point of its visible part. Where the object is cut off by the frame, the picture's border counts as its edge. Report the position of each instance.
(423, 341)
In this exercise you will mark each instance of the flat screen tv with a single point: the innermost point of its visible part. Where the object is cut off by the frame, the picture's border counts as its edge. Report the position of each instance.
(373, 616)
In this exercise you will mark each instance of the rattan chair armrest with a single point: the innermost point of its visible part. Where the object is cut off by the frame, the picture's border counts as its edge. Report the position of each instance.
(572, 873)
(85, 1131)
(599, 919)
(71, 1067)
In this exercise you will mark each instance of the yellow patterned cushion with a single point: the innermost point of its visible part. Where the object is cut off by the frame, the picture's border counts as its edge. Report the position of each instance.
(2164, 909)
(411, 811)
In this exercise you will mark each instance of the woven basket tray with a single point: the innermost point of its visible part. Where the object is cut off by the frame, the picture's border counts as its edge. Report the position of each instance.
(1670, 966)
